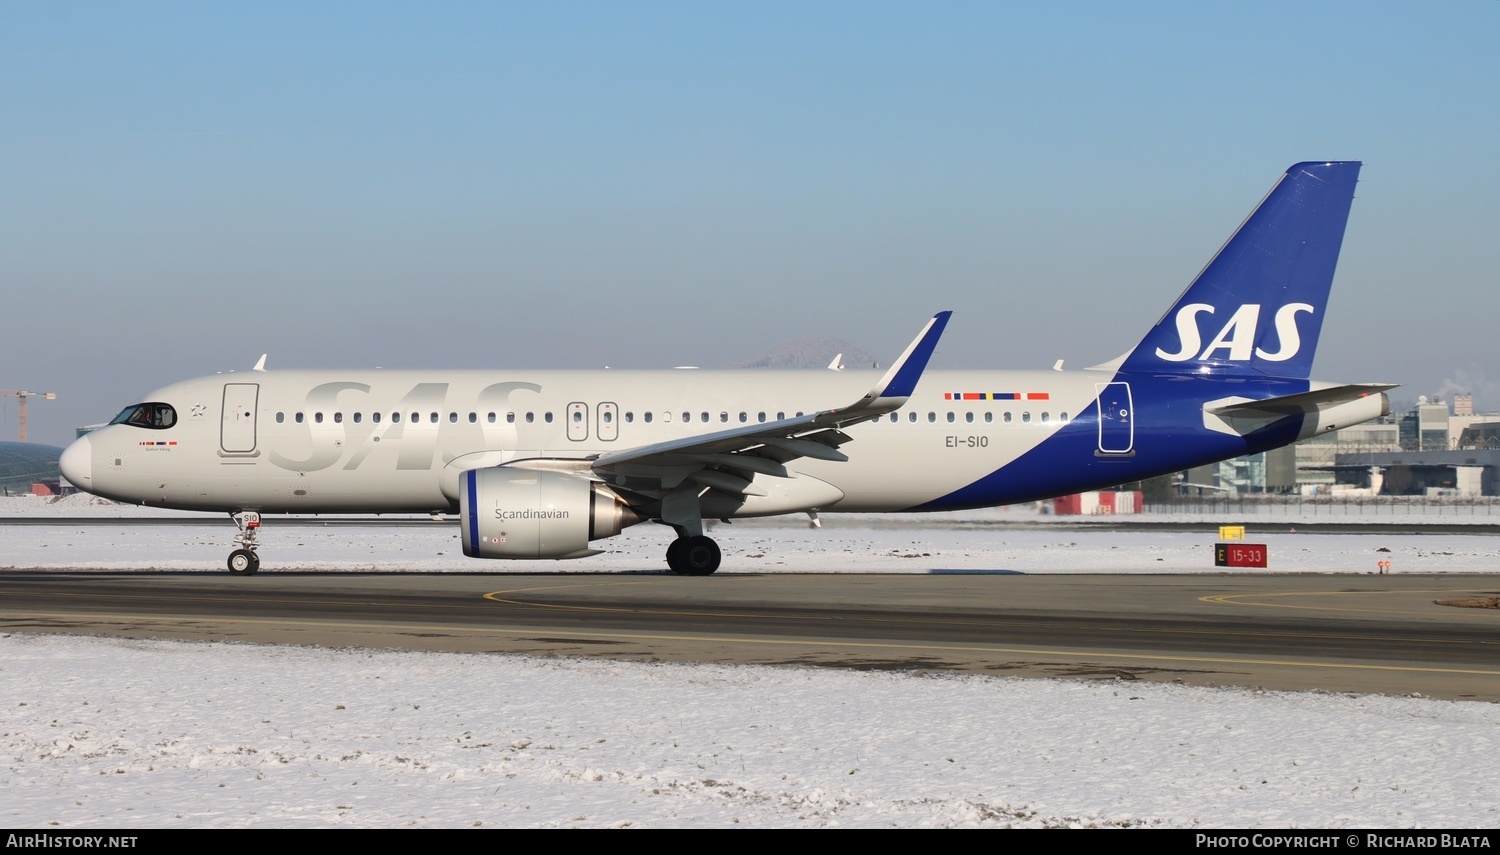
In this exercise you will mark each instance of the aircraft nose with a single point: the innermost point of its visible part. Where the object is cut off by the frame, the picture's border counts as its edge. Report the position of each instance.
(77, 463)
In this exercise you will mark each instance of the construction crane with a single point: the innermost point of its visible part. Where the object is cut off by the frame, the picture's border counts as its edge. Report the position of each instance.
(24, 397)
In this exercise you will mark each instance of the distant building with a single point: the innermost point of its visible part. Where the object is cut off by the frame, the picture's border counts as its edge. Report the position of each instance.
(1483, 434)
(1317, 457)
(1422, 452)
(1273, 471)
(1438, 454)
(24, 465)
(1423, 472)
(1425, 426)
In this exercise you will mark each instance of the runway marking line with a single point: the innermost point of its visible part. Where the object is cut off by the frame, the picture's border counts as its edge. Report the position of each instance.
(1247, 600)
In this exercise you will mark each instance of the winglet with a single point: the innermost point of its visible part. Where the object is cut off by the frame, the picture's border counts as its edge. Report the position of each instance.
(260, 364)
(901, 380)
(802, 436)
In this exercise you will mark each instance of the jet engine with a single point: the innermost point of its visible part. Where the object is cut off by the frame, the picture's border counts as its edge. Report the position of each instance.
(529, 513)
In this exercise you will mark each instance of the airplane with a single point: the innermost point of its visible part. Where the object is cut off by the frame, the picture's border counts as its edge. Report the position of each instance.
(540, 465)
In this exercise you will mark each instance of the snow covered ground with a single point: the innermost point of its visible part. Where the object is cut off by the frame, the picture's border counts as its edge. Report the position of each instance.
(108, 733)
(111, 733)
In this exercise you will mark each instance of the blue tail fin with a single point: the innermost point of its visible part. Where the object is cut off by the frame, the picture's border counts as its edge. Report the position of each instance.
(1257, 308)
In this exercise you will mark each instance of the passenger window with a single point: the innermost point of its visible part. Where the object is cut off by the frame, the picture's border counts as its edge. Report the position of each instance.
(395, 418)
(744, 418)
(416, 417)
(358, 417)
(646, 416)
(375, 417)
(609, 417)
(1026, 417)
(530, 417)
(760, 417)
(780, 416)
(704, 417)
(433, 418)
(950, 417)
(297, 418)
(989, 417)
(473, 418)
(338, 418)
(969, 417)
(280, 417)
(547, 417)
(1046, 417)
(1007, 418)
(510, 418)
(913, 417)
(318, 417)
(490, 418)
(1062, 417)
(453, 418)
(577, 418)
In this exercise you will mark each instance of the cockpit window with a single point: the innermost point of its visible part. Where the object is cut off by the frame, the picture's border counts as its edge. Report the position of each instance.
(154, 416)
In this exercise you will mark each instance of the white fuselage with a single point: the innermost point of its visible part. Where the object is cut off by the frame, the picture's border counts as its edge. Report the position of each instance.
(395, 441)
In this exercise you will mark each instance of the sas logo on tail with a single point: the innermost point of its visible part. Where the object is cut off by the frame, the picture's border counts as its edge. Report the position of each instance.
(1237, 336)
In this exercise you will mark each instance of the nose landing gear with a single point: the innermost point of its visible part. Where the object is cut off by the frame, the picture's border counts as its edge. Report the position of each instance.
(244, 561)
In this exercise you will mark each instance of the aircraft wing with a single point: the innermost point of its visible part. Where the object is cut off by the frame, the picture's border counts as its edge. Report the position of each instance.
(729, 460)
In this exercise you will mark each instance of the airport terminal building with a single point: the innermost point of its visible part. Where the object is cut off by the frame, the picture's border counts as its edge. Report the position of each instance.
(28, 468)
(1426, 451)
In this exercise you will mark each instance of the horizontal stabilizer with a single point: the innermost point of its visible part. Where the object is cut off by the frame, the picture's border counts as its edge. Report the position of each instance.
(1300, 403)
(1320, 410)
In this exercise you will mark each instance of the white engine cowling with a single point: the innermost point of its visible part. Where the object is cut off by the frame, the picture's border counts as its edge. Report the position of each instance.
(528, 513)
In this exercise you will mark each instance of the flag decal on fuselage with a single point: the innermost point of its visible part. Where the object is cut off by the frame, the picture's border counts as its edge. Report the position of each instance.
(995, 396)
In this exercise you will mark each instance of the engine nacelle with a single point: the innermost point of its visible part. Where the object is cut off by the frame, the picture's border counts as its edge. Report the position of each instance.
(529, 513)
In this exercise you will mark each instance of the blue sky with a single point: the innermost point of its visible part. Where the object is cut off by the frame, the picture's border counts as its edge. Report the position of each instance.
(188, 185)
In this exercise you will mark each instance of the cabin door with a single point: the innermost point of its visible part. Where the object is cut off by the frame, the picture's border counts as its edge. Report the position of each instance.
(1116, 418)
(237, 431)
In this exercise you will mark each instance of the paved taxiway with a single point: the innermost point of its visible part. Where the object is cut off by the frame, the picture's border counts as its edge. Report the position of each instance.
(1384, 634)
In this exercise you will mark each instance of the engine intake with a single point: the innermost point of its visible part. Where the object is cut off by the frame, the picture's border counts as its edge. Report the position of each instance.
(529, 513)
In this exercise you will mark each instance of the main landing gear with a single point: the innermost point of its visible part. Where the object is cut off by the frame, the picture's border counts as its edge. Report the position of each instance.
(693, 555)
(244, 561)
